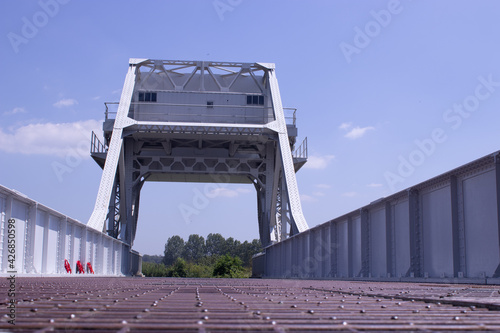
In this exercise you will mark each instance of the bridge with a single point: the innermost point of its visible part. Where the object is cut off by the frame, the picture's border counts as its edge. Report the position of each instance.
(202, 121)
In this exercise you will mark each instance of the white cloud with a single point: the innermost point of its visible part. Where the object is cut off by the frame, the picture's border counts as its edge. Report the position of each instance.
(244, 190)
(96, 98)
(223, 192)
(117, 91)
(319, 194)
(374, 185)
(15, 111)
(307, 198)
(65, 102)
(323, 186)
(318, 162)
(349, 194)
(358, 132)
(345, 126)
(50, 139)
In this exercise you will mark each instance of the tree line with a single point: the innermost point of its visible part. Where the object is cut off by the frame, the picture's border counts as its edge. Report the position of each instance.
(214, 257)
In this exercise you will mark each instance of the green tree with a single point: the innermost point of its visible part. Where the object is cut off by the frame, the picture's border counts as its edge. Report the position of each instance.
(194, 249)
(179, 268)
(173, 250)
(215, 244)
(151, 269)
(228, 267)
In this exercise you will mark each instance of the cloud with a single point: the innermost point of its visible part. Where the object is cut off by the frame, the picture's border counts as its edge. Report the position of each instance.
(323, 186)
(15, 111)
(349, 194)
(319, 194)
(223, 192)
(65, 102)
(345, 126)
(358, 132)
(307, 198)
(117, 92)
(50, 138)
(96, 98)
(374, 185)
(318, 162)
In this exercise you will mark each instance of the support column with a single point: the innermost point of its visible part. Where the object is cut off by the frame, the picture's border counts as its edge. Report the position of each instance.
(334, 245)
(350, 247)
(389, 237)
(497, 183)
(416, 255)
(457, 230)
(365, 243)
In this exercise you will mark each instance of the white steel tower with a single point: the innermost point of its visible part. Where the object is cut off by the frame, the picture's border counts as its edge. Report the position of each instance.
(199, 121)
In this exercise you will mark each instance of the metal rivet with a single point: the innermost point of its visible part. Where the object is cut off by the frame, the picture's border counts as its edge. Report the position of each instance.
(310, 311)
(394, 318)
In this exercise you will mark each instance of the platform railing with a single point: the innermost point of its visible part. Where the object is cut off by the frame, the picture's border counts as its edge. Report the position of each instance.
(96, 146)
(301, 151)
(111, 108)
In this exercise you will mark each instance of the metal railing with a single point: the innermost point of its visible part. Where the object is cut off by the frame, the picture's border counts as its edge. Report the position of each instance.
(96, 146)
(301, 151)
(290, 113)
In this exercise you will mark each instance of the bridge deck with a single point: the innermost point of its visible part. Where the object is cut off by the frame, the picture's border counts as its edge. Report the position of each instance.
(248, 305)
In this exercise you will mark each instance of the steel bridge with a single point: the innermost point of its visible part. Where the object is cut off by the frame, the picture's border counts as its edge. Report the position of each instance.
(196, 121)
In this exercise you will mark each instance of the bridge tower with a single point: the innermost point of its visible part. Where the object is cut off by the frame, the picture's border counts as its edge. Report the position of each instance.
(199, 121)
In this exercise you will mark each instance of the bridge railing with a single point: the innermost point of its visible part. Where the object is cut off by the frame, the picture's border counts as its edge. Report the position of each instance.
(35, 239)
(444, 229)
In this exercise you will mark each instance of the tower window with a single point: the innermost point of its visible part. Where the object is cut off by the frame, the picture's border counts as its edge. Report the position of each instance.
(255, 100)
(210, 104)
(147, 97)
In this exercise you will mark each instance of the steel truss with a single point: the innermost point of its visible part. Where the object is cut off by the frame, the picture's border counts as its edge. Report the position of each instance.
(232, 151)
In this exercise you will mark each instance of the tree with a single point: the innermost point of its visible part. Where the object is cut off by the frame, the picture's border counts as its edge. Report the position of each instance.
(228, 267)
(194, 249)
(215, 244)
(179, 269)
(173, 250)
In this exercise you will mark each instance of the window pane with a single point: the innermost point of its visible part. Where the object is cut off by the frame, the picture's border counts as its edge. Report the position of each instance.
(148, 97)
(249, 99)
(153, 97)
(255, 99)
(261, 100)
(141, 97)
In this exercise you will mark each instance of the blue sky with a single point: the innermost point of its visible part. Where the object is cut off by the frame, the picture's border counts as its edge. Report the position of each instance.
(389, 94)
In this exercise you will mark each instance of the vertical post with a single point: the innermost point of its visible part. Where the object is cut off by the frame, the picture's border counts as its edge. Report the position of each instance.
(455, 227)
(365, 243)
(334, 245)
(350, 247)
(497, 183)
(389, 238)
(63, 224)
(30, 238)
(45, 247)
(416, 264)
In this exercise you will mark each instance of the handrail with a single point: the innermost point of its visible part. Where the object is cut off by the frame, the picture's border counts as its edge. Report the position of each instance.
(96, 146)
(290, 118)
(301, 151)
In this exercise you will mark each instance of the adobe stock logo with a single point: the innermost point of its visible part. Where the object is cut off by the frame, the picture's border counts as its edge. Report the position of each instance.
(31, 27)
(373, 28)
(454, 117)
